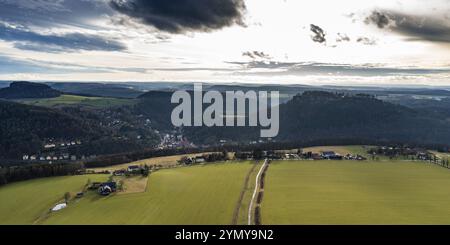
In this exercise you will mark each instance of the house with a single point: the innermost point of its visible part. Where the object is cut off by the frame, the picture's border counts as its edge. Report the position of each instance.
(360, 158)
(73, 158)
(41, 158)
(291, 156)
(133, 168)
(316, 156)
(25, 157)
(49, 158)
(349, 157)
(199, 159)
(120, 172)
(107, 188)
(49, 146)
(423, 156)
(327, 154)
(33, 158)
(187, 160)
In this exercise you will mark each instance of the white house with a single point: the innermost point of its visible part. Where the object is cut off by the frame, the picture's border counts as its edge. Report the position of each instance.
(133, 168)
(49, 146)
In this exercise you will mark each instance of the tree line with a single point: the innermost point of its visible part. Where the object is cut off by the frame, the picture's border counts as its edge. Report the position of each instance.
(33, 171)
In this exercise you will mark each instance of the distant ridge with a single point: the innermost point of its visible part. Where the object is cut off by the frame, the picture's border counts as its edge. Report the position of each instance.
(28, 90)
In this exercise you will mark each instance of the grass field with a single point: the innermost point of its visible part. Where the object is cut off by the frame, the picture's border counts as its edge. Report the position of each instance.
(167, 161)
(343, 192)
(296, 192)
(67, 100)
(24, 202)
(191, 195)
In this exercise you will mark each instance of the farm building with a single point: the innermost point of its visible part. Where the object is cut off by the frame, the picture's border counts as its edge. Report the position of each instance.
(199, 159)
(120, 172)
(331, 155)
(327, 154)
(107, 188)
(133, 168)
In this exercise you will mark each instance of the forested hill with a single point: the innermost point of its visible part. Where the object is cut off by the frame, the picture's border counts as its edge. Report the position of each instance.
(316, 116)
(26, 90)
(25, 128)
(322, 115)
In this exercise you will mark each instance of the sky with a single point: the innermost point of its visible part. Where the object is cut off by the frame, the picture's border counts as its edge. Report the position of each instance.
(320, 42)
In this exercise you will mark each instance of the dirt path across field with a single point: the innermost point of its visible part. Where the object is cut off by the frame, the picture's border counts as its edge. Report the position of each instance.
(241, 196)
(255, 192)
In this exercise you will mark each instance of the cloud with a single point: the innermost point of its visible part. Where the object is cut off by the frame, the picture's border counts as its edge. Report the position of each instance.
(342, 38)
(53, 5)
(381, 20)
(10, 65)
(319, 34)
(366, 41)
(256, 55)
(13, 65)
(29, 40)
(413, 27)
(180, 16)
(54, 13)
(329, 69)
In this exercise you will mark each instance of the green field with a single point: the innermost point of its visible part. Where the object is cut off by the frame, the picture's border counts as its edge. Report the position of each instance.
(190, 195)
(25, 202)
(71, 100)
(343, 192)
(296, 192)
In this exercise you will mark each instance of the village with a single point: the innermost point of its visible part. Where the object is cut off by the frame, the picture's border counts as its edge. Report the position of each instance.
(57, 151)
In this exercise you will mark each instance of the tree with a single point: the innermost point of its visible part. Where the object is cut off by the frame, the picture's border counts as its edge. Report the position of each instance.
(257, 154)
(145, 170)
(225, 155)
(67, 197)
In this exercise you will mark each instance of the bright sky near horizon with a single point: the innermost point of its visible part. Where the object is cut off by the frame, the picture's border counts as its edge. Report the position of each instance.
(348, 42)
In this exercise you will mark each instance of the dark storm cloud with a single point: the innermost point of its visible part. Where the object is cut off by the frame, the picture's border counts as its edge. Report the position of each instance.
(29, 40)
(327, 69)
(256, 55)
(179, 16)
(381, 20)
(413, 27)
(319, 34)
